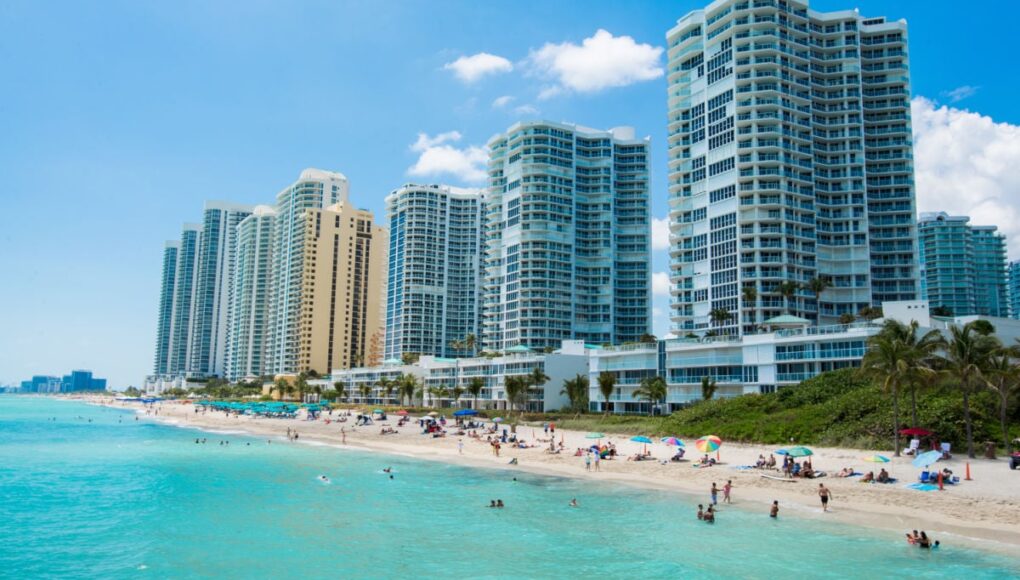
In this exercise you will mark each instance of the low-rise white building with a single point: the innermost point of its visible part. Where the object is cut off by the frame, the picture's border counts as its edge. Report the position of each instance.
(449, 373)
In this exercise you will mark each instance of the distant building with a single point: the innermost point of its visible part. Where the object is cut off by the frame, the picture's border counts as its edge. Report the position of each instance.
(1014, 289)
(164, 323)
(567, 237)
(314, 189)
(434, 273)
(790, 159)
(214, 276)
(249, 297)
(963, 267)
(183, 288)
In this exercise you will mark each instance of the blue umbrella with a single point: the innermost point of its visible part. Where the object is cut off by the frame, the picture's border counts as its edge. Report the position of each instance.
(641, 439)
(465, 413)
(927, 458)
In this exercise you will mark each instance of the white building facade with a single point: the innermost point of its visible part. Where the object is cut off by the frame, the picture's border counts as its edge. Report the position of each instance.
(790, 159)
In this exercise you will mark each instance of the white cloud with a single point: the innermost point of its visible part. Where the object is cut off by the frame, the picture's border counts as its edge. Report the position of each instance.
(960, 93)
(501, 102)
(525, 110)
(660, 233)
(966, 164)
(601, 61)
(660, 284)
(425, 142)
(470, 69)
(438, 158)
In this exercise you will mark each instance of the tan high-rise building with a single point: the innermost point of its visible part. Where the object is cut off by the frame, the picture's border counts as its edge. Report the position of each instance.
(343, 288)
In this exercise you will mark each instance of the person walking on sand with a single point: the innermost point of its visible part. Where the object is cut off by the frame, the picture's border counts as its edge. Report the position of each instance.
(726, 491)
(343, 435)
(715, 494)
(460, 446)
(824, 494)
(598, 459)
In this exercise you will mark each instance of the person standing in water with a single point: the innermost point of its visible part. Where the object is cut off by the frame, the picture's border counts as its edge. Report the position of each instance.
(774, 510)
(715, 494)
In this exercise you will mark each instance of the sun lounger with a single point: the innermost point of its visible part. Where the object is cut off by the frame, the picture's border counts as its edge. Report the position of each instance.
(945, 451)
(914, 445)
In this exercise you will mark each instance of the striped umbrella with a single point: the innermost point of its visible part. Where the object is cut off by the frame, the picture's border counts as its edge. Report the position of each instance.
(672, 441)
(876, 459)
(708, 443)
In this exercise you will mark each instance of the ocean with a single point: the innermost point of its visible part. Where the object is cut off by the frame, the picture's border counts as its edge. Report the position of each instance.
(89, 492)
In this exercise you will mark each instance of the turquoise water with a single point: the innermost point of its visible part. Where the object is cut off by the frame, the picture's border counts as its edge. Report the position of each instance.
(119, 498)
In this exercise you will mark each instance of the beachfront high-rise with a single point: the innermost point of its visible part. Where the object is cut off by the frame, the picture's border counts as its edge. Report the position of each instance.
(213, 279)
(249, 295)
(164, 322)
(567, 237)
(314, 189)
(342, 289)
(790, 159)
(1014, 289)
(184, 285)
(435, 263)
(963, 267)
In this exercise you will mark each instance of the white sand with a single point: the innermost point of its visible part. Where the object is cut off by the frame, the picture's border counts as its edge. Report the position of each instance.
(984, 512)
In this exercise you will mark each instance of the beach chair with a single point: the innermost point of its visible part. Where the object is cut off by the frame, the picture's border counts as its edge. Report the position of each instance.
(924, 477)
(914, 445)
(945, 451)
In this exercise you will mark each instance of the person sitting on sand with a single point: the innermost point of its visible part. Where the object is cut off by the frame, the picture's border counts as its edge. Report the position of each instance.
(869, 477)
(845, 472)
(883, 476)
(760, 463)
(771, 462)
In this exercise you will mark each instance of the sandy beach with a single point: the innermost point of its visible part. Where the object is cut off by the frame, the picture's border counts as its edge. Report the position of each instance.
(984, 512)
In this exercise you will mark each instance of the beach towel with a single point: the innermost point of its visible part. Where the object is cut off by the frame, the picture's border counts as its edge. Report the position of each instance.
(922, 486)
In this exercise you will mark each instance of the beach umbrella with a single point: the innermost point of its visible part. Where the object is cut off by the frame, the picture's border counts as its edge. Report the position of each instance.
(916, 431)
(708, 443)
(927, 458)
(433, 414)
(795, 452)
(876, 459)
(465, 413)
(402, 412)
(672, 441)
(594, 436)
(641, 439)
(378, 411)
(498, 420)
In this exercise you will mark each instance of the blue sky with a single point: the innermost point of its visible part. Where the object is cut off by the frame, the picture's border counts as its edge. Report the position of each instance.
(118, 119)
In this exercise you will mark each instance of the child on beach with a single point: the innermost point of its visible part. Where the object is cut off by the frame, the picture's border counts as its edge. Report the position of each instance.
(726, 491)
(715, 494)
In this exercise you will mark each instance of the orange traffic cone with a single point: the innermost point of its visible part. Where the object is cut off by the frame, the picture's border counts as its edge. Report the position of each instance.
(968, 472)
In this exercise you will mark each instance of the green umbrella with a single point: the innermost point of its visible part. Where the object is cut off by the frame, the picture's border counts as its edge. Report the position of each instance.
(594, 436)
(796, 452)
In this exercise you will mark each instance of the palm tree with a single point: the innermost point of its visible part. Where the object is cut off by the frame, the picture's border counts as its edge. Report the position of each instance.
(470, 342)
(576, 390)
(364, 389)
(653, 390)
(847, 318)
(457, 345)
(750, 296)
(301, 385)
(420, 392)
(788, 289)
(708, 388)
(475, 387)
(607, 384)
(385, 386)
(965, 361)
(455, 394)
(516, 389)
(389, 387)
(888, 361)
(719, 316)
(406, 386)
(283, 387)
(921, 352)
(817, 285)
(1003, 376)
(340, 389)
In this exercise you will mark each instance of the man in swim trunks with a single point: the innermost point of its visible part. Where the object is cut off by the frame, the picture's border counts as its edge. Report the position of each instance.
(824, 494)
(774, 511)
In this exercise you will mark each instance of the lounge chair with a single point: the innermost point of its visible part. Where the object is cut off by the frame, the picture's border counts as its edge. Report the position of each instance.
(945, 451)
(914, 445)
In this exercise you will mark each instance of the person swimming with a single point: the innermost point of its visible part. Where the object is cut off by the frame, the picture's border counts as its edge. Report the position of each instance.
(499, 503)
(323, 479)
(573, 503)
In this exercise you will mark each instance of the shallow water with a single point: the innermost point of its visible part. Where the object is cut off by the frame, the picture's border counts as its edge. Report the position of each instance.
(119, 498)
